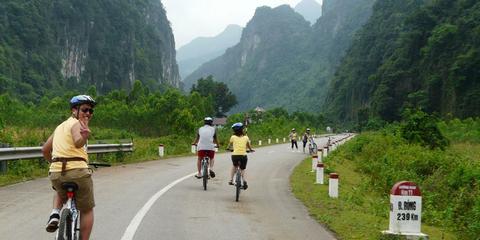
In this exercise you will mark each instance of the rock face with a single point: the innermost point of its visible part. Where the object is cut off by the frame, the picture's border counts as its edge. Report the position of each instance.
(108, 44)
(283, 61)
(204, 49)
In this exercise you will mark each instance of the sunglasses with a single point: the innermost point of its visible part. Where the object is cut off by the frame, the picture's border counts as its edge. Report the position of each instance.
(85, 110)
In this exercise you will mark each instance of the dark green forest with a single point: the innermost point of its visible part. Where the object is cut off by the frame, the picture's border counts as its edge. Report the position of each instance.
(49, 46)
(411, 54)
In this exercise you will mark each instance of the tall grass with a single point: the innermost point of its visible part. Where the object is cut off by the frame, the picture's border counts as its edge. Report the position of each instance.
(449, 179)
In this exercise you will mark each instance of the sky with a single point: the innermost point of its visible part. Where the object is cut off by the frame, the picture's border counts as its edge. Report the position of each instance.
(204, 18)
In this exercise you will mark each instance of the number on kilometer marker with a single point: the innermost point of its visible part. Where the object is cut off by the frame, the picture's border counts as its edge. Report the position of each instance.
(407, 217)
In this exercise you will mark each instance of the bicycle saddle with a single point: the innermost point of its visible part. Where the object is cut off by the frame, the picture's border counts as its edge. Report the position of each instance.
(70, 185)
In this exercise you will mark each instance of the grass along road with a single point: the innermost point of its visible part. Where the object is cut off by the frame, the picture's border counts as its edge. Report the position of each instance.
(357, 213)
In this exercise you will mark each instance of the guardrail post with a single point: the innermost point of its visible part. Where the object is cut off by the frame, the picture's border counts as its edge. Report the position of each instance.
(3, 164)
(3, 167)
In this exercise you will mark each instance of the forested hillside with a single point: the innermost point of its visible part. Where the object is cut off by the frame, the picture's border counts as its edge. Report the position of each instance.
(420, 54)
(282, 61)
(47, 46)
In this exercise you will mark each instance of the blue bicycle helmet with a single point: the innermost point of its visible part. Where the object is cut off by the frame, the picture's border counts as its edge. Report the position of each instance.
(237, 126)
(82, 99)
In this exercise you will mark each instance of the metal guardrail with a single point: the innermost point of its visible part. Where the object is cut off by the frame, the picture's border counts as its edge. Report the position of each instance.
(19, 153)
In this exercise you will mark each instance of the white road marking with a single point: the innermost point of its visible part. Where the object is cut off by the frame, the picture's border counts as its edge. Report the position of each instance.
(132, 227)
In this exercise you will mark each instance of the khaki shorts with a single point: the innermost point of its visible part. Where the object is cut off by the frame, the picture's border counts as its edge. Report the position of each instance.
(83, 178)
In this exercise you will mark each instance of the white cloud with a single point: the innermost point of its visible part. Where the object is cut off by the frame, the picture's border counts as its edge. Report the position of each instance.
(194, 18)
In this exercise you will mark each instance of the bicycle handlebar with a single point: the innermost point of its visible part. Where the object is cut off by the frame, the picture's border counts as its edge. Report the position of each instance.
(248, 151)
(97, 164)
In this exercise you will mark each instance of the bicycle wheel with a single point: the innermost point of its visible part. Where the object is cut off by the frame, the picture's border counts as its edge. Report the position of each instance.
(205, 174)
(65, 225)
(77, 235)
(238, 184)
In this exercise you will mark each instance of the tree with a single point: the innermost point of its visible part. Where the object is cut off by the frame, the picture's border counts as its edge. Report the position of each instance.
(223, 98)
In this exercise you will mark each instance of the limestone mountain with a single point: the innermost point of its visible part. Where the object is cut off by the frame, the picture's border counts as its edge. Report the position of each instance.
(203, 49)
(311, 10)
(411, 54)
(282, 61)
(49, 46)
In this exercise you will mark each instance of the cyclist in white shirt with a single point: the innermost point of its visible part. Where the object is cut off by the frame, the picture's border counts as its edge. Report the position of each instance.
(206, 140)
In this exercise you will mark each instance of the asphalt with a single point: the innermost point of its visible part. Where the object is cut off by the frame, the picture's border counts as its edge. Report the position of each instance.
(266, 210)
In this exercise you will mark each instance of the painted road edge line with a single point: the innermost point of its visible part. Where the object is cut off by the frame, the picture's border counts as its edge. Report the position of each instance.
(132, 227)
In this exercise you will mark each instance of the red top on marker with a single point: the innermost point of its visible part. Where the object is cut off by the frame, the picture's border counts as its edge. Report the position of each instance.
(405, 188)
(334, 175)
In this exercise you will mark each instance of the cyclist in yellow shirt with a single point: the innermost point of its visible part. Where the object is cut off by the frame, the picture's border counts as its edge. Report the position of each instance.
(66, 150)
(240, 143)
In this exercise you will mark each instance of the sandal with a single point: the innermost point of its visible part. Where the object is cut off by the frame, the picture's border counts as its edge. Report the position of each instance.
(198, 177)
(230, 182)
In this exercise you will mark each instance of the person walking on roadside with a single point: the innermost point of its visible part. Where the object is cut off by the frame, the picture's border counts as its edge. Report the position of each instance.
(206, 141)
(66, 150)
(305, 138)
(293, 138)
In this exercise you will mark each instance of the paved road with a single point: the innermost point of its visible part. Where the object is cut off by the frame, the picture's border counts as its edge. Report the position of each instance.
(267, 210)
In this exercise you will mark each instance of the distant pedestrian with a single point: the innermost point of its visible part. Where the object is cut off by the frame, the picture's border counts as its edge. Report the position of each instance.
(293, 138)
(305, 138)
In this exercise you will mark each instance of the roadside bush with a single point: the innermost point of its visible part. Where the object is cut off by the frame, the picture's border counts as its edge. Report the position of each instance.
(419, 127)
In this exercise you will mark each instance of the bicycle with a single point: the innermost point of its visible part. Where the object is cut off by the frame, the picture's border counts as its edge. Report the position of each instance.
(69, 224)
(312, 147)
(205, 162)
(238, 179)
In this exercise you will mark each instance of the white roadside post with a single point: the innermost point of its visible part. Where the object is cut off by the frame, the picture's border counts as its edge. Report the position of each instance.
(276, 140)
(320, 168)
(161, 150)
(333, 185)
(325, 151)
(314, 162)
(194, 148)
(406, 211)
(269, 141)
(216, 148)
(283, 139)
(259, 142)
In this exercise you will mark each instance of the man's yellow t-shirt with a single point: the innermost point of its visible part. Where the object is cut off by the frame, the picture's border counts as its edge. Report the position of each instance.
(239, 144)
(63, 147)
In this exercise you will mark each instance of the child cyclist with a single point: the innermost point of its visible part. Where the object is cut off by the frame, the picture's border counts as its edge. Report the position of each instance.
(240, 143)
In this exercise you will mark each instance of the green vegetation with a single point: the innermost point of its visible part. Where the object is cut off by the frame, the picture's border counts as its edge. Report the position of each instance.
(371, 163)
(223, 99)
(411, 54)
(49, 46)
(149, 118)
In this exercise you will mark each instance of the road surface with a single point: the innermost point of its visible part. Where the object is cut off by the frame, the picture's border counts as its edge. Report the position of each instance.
(162, 200)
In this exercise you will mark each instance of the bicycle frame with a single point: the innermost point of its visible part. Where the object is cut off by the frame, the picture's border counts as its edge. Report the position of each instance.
(204, 169)
(70, 220)
(238, 183)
